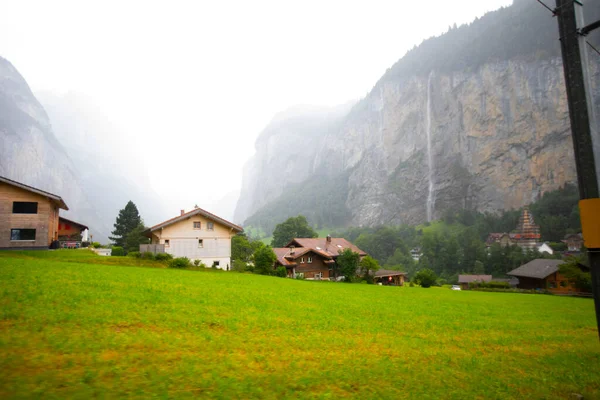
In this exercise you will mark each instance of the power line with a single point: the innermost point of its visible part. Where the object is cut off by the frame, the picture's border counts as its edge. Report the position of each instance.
(553, 11)
(595, 49)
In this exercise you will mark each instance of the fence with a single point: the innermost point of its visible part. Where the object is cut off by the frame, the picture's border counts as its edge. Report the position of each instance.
(152, 248)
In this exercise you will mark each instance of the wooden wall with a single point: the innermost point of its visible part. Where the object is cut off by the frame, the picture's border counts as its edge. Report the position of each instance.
(310, 269)
(45, 222)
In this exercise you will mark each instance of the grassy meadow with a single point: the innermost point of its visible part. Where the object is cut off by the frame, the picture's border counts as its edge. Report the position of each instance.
(76, 325)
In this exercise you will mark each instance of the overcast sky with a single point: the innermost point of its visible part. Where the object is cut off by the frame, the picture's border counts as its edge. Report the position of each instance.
(194, 82)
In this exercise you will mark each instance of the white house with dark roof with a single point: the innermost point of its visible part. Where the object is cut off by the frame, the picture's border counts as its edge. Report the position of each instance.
(197, 235)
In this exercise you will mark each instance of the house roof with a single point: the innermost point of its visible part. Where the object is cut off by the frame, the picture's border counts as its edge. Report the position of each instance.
(297, 252)
(474, 278)
(326, 249)
(81, 226)
(387, 272)
(538, 268)
(196, 211)
(281, 253)
(57, 199)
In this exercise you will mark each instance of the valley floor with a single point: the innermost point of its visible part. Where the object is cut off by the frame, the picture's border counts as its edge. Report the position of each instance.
(77, 325)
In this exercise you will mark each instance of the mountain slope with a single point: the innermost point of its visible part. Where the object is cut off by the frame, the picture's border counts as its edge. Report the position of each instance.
(476, 118)
(30, 153)
(109, 169)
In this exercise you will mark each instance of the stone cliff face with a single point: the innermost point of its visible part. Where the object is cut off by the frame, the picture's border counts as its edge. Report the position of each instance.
(73, 154)
(285, 154)
(30, 153)
(499, 137)
(476, 118)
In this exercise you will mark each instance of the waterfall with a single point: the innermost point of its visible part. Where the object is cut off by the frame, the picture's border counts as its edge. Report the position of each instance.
(431, 193)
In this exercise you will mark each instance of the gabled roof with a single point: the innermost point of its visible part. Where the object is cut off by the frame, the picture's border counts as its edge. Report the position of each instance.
(387, 272)
(538, 268)
(57, 199)
(326, 249)
(81, 226)
(281, 253)
(474, 278)
(196, 211)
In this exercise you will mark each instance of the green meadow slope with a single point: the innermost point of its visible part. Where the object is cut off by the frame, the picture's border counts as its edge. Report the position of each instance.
(74, 325)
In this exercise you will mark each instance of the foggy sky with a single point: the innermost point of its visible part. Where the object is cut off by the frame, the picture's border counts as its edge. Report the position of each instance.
(190, 84)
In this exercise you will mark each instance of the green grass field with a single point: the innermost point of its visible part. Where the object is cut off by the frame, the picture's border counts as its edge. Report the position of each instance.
(75, 325)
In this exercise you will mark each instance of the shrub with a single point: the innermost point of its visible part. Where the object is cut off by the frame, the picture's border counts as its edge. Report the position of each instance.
(135, 254)
(489, 285)
(148, 255)
(85, 244)
(180, 262)
(117, 251)
(281, 272)
(411, 284)
(239, 266)
(197, 262)
(425, 278)
(163, 257)
(96, 245)
(300, 276)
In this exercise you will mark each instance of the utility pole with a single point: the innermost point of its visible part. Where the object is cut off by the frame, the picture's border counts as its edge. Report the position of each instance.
(586, 140)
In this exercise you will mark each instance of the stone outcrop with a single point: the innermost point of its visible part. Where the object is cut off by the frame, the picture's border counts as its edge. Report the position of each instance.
(487, 131)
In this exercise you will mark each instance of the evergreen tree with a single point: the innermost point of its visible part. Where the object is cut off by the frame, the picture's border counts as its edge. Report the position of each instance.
(128, 219)
(136, 237)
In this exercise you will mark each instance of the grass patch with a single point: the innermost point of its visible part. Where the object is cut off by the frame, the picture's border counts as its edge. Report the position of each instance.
(79, 325)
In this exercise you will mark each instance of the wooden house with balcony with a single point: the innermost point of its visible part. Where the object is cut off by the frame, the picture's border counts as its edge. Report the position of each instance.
(315, 258)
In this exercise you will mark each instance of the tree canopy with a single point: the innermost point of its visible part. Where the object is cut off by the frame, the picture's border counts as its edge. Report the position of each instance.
(294, 227)
(127, 220)
(264, 261)
(347, 263)
(134, 238)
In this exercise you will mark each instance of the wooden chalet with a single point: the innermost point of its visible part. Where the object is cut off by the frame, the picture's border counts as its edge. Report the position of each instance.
(70, 233)
(544, 274)
(573, 241)
(313, 257)
(389, 277)
(465, 280)
(28, 216)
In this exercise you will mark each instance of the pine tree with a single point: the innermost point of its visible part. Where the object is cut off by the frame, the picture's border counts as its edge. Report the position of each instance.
(128, 219)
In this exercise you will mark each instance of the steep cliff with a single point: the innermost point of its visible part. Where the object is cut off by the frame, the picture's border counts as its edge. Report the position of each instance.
(476, 118)
(110, 172)
(285, 154)
(30, 153)
(73, 153)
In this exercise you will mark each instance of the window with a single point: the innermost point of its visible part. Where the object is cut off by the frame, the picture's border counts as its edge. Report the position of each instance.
(22, 234)
(197, 225)
(302, 260)
(167, 243)
(563, 284)
(210, 226)
(200, 243)
(216, 264)
(24, 207)
(318, 275)
(309, 260)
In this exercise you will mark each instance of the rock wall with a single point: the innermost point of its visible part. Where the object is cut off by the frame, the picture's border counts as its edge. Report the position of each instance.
(499, 138)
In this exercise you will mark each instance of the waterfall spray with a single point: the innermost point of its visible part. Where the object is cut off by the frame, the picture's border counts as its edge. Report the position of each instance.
(431, 193)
